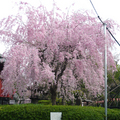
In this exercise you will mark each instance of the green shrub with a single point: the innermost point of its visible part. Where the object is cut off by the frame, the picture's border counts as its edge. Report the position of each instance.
(44, 102)
(69, 102)
(42, 112)
(58, 101)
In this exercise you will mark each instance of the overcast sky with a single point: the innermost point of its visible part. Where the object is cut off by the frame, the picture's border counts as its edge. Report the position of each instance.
(107, 9)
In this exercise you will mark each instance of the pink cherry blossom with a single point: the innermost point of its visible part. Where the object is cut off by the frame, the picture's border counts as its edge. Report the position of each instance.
(58, 51)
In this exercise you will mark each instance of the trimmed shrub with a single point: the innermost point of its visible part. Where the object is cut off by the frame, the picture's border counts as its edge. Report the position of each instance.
(45, 102)
(58, 101)
(42, 112)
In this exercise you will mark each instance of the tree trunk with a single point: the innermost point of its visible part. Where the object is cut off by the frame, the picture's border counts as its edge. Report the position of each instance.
(63, 101)
(53, 89)
(72, 101)
(78, 101)
(53, 98)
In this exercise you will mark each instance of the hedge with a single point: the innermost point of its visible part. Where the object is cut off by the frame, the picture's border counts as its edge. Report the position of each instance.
(42, 112)
(45, 102)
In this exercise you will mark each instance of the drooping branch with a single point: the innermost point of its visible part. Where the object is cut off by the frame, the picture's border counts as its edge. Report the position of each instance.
(42, 57)
(63, 67)
(56, 69)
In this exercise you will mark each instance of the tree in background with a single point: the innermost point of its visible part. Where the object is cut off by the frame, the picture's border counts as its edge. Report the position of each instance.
(57, 50)
(114, 87)
(117, 73)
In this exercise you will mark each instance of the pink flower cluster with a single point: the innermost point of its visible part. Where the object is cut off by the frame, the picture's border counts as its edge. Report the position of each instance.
(54, 50)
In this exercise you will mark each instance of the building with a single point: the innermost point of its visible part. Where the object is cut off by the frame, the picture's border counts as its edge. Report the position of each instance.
(3, 99)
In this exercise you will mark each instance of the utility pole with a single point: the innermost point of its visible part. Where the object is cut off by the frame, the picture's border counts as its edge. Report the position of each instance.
(105, 56)
(105, 70)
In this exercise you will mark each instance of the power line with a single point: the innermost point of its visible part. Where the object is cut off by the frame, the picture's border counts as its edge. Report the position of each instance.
(113, 36)
(104, 23)
(94, 7)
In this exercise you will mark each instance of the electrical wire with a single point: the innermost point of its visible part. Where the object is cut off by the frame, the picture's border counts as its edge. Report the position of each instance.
(94, 7)
(104, 23)
(112, 36)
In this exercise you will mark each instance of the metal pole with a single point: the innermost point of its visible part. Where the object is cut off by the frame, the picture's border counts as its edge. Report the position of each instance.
(105, 70)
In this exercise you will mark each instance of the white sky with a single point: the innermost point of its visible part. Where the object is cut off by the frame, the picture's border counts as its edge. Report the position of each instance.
(107, 9)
